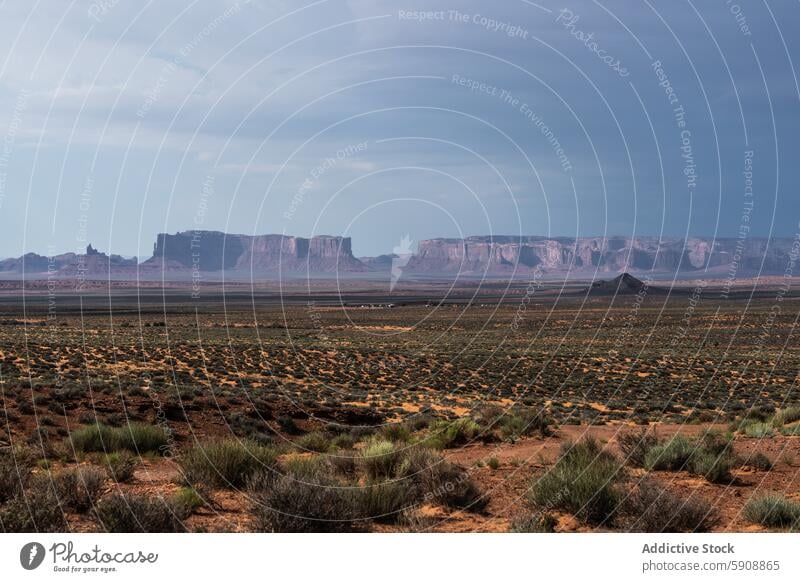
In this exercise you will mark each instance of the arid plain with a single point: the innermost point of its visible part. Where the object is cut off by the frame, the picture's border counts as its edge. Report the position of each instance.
(476, 407)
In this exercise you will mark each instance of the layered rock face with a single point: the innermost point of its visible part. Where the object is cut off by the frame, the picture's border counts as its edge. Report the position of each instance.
(505, 254)
(218, 251)
(211, 251)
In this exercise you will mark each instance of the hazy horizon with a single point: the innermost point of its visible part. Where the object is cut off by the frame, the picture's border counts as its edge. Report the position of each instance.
(414, 243)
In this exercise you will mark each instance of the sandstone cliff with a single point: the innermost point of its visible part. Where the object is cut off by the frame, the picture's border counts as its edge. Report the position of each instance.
(218, 251)
(505, 254)
(211, 251)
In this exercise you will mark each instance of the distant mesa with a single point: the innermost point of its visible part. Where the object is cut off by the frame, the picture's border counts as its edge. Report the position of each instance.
(183, 253)
(586, 256)
(379, 263)
(69, 265)
(217, 251)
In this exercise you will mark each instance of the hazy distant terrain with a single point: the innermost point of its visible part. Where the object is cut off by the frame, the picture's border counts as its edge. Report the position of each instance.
(178, 256)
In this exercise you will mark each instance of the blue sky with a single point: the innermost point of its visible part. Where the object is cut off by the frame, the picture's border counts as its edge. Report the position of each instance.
(377, 119)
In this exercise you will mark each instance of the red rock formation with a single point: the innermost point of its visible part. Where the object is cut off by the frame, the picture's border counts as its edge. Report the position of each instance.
(506, 254)
(217, 251)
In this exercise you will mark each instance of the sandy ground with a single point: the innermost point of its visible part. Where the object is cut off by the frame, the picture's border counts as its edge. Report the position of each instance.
(507, 485)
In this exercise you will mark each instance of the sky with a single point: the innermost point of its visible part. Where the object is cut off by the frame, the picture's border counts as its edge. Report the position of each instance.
(382, 119)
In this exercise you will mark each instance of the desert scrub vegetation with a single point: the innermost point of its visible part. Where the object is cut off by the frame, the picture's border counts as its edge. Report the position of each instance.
(34, 509)
(188, 500)
(135, 437)
(772, 510)
(15, 467)
(584, 481)
(381, 458)
(383, 483)
(315, 442)
(634, 445)
(141, 513)
(449, 434)
(79, 488)
(283, 503)
(437, 481)
(788, 416)
(120, 466)
(29, 501)
(714, 468)
(397, 432)
(382, 501)
(758, 461)
(491, 423)
(521, 422)
(652, 508)
(765, 422)
(669, 455)
(757, 429)
(225, 463)
(711, 456)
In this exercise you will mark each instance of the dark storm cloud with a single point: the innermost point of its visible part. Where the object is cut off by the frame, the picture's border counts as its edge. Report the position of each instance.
(517, 116)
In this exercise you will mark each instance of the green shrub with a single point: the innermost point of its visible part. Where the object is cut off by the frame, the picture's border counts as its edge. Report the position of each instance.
(188, 500)
(758, 461)
(79, 488)
(95, 438)
(397, 432)
(284, 504)
(715, 443)
(758, 430)
(525, 422)
(791, 430)
(493, 463)
(315, 442)
(788, 415)
(711, 456)
(772, 510)
(380, 459)
(383, 501)
(714, 468)
(143, 438)
(582, 482)
(343, 441)
(761, 413)
(307, 468)
(140, 513)
(671, 455)
(652, 508)
(120, 466)
(635, 445)
(436, 481)
(35, 510)
(445, 435)
(134, 437)
(225, 463)
(15, 469)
